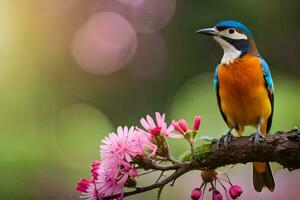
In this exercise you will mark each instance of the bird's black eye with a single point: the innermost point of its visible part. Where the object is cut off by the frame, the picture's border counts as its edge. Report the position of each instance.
(231, 30)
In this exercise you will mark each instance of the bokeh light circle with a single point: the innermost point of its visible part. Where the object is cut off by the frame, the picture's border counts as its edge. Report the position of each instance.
(150, 58)
(80, 129)
(105, 44)
(146, 16)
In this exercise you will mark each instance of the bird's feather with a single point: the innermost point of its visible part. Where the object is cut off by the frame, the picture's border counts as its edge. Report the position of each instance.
(216, 78)
(267, 74)
(216, 88)
(270, 86)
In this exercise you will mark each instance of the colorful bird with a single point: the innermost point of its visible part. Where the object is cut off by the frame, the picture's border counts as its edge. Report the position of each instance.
(244, 90)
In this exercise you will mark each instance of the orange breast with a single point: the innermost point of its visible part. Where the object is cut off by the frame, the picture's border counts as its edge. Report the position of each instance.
(244, 98)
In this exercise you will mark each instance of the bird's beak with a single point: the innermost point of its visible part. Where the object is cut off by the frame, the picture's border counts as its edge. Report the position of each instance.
(207, 31)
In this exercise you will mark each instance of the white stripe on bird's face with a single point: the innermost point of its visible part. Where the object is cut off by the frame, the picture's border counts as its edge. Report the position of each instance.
(232, 34)
(230, 52)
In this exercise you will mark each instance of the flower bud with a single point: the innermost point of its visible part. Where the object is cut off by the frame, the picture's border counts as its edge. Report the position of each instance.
(196, 194)
(217, 195)
(94, 168)
(197, 122)
(235, 191)
(183, 125)
(83, 185)
(133, 172)
(177, 127)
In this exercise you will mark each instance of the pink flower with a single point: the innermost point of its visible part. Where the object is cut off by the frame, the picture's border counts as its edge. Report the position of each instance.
(108, 185)
(87, 188)
(160, 127)
(123, 145)
(197, 122)
(112, 178)
(196, 194)
(117, 151)
(235, 191)
(217, 195)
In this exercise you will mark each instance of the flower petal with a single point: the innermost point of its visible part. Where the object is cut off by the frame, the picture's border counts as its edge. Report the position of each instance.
(144, 123)
(150, 121)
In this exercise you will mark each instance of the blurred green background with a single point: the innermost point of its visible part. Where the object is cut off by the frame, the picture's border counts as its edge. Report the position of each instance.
(54, 114)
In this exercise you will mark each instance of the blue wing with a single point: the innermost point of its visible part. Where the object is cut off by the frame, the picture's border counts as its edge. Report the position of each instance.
(216, 78)
(270, 87)
(267, 75)
(216, 88)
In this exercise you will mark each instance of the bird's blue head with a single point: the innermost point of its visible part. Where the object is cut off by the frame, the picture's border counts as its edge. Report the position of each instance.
(234, 37)
(238, 26)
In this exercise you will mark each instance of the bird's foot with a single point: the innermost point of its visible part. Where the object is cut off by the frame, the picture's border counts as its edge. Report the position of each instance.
(257, 138)
(226, 139)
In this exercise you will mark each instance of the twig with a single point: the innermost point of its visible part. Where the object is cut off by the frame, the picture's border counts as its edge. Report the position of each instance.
(161, 174)
(147, 172)
(159, 192)
(167, 180)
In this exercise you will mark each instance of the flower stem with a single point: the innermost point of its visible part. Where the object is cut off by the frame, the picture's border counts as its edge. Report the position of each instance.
(192, 148)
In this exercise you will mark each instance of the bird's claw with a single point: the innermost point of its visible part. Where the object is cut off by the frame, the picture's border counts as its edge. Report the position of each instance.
(219, 142)
(226, 139)
(257, 138)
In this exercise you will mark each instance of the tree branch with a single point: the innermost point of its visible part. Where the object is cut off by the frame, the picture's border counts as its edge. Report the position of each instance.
(281, 147)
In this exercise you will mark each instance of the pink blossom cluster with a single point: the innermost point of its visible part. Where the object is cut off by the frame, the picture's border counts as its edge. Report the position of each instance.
(117, 152)
(116, 168)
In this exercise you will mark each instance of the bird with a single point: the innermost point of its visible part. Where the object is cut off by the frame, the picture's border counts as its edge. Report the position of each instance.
(244, 89)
